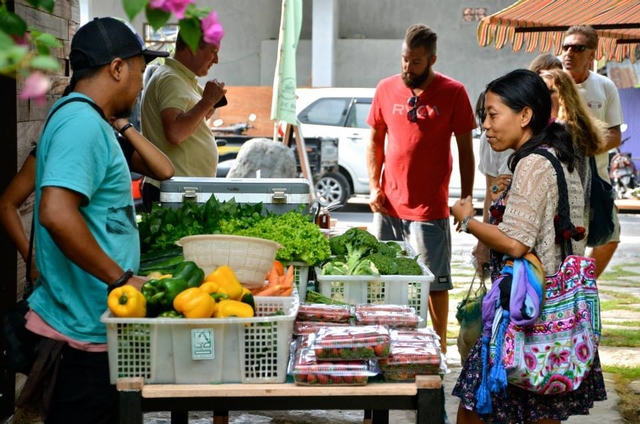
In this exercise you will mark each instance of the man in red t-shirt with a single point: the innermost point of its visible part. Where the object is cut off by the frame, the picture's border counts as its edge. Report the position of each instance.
(417, 111)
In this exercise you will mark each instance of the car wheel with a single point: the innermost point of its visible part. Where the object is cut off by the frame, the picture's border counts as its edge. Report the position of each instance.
(332, 187)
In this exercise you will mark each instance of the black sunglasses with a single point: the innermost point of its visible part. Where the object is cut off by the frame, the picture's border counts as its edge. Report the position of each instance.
(578, 48)
(412, 115)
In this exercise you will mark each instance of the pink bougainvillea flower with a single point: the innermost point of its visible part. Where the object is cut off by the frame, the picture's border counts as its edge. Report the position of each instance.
(177, 7)
(21, 40)
(35, 87)
(212, 31)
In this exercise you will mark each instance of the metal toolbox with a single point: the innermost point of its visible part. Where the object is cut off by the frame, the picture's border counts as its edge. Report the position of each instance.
(279, 195)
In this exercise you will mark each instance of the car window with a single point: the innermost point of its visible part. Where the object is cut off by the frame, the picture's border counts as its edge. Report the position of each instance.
(358, 115)
(329, 111)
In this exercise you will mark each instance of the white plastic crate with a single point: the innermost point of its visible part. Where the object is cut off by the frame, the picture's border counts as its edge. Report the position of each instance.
(411, 290)
(204, 351)
(301, 278)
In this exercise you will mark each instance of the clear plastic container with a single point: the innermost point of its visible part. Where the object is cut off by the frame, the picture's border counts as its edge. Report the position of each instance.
(311, 327)
(368, 307)
(410, 358)
(390, 319)
(307, 371)
(352, 343)
(326, 313)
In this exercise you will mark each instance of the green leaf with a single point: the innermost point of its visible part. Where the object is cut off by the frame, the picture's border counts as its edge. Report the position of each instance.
(12, 24)
(194, 12)
(44, 4)
(10, 57)
(133, 7)
(156, 17)
(191, 32)
(48, 40)
(47, 63)
(6, 41)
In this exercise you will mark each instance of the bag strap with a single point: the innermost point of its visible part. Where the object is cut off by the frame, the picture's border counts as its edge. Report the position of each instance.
(29, 286)
(564, 209)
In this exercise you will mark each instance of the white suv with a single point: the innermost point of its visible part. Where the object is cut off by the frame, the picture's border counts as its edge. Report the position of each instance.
(342, 113)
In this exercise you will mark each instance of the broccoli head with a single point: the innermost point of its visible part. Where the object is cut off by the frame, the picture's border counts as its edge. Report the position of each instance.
(334, 268)
(359, 243)
(408, 266)
(387, 250)
(364, 267)
(385, 264)
(336, 244)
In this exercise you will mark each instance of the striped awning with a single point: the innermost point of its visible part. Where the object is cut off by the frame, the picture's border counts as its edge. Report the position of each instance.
(540, 24)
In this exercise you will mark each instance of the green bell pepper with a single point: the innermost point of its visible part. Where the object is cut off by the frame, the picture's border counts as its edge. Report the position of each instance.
(170, 314)
(190, 272)
(160, 293)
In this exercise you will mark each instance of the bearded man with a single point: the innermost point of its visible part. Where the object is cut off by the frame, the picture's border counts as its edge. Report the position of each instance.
(417, 112)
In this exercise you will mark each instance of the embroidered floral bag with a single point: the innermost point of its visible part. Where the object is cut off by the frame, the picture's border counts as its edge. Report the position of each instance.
(553, 351)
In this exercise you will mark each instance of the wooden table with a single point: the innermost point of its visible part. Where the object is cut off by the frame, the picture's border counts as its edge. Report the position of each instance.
(425, 396)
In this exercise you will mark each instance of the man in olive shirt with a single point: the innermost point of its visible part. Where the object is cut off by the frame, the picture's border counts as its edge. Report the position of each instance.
(175, 109)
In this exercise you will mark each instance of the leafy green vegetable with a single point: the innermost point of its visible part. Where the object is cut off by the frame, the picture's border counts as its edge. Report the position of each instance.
(386, 265)
(335, 268)
(359, 243)
(364, 267)
(408, 266)
(301, 239)
(163, 226)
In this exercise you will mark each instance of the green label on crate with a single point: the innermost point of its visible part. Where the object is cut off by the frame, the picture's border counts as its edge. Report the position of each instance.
(202, 344)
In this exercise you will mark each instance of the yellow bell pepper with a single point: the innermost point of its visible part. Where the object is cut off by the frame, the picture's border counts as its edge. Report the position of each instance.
(195, 303)
(210, 287)
(227, 282)
(127, 302)
(233, 308)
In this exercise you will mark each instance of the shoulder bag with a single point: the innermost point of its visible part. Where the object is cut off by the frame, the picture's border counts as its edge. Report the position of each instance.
(21, 345)
(469, 316)
(601, 203)
(551, 350)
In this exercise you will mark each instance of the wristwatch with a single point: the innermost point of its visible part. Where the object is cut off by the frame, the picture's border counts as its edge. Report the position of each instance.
(464, 223)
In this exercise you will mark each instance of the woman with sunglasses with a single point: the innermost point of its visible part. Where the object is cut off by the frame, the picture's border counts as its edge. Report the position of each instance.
(518, 116)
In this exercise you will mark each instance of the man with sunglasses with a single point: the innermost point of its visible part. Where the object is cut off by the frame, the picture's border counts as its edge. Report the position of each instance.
(602, 98)
(413, 116)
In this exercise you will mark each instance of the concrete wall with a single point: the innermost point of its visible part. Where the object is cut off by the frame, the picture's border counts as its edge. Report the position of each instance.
(370, 35)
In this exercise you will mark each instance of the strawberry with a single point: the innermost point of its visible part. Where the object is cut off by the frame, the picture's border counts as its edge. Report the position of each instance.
(336, 379)
(323, 379)
(311, 379)
(381, 350)
(348, 379)
(301, 377)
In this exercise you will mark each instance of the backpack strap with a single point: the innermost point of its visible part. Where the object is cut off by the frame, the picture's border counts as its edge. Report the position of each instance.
(564, 209)
(29, 286)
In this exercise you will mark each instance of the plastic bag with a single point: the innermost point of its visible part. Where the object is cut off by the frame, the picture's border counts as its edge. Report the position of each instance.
(469, 316)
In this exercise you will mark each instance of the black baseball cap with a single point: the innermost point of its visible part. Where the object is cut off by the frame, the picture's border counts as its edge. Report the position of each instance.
(100, 41)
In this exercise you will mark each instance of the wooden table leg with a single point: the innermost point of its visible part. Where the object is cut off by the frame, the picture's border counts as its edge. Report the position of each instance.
(130, 400)
(380, 416)
(179, 417)
(220, 417)
(430, 400)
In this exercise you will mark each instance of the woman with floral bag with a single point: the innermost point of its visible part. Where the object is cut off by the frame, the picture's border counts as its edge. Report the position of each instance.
(540, 230)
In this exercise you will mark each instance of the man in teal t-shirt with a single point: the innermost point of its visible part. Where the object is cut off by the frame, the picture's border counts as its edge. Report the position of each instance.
(86, 237)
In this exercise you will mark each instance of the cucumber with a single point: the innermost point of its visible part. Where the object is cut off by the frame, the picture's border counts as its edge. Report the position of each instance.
(165, 265)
